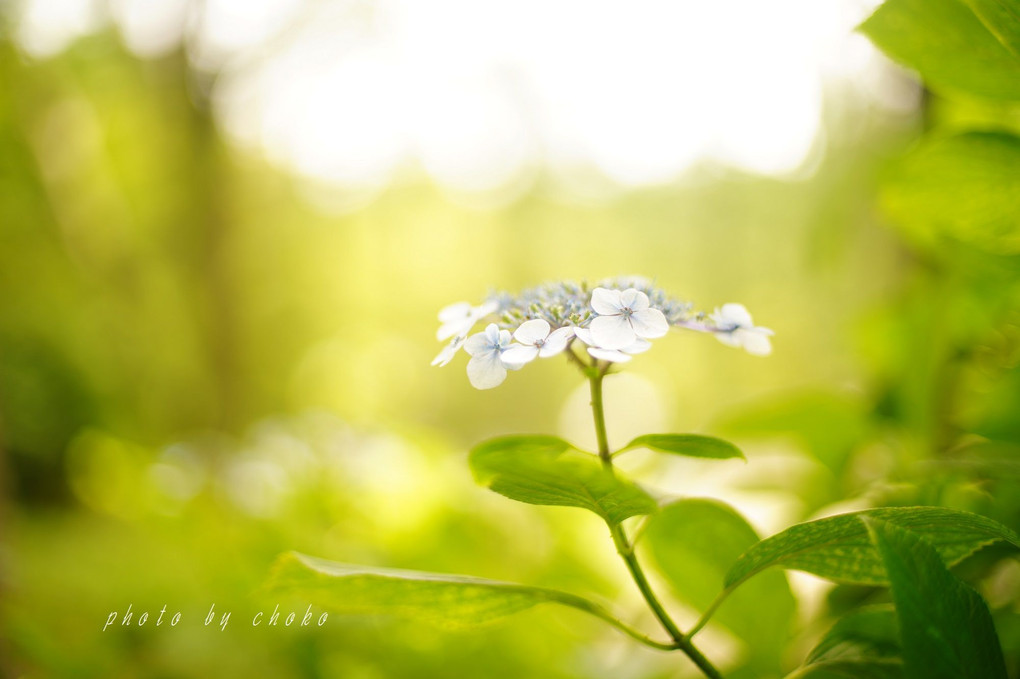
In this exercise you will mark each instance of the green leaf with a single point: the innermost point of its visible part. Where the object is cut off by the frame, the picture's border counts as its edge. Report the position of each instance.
(962, 188)
(691, 445)
(948, 45)
(864, 643)
(545, 470)
(838, 547)
(452, 601)
(1002, 18)
(945, 626)
(693, 542)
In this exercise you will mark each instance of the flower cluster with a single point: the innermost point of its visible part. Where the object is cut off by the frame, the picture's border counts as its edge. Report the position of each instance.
(612, 321)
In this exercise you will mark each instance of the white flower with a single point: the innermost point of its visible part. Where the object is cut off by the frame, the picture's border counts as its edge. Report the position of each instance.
(487, 369)
(639, 346)
(624, 317)
(536, 340)
(738, 330)
(458, 319)
(449, 351)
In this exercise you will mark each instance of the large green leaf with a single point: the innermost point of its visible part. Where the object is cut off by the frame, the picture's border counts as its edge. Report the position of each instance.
(839, 548)
(962, 188)
(945, 626)
(691, 445)
(693, 542)
(864, 643)
(1002, 18)
(545, 470)
(447, 600)
(948, 45)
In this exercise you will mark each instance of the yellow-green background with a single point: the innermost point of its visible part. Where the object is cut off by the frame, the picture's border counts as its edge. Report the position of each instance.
(198, 372)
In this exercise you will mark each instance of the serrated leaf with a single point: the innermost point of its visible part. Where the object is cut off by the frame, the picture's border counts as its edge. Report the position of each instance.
(693, 542)
(447, 600)
(839, 548)
(545, 470)
(948, 45)
(945, 626)
(1002, 19)
(964, 188)
(864, 643)
(691, 445)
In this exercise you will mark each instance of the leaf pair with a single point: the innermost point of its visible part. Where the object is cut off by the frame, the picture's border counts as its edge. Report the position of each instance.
(546, 470)
(963, 188)
(940, 628)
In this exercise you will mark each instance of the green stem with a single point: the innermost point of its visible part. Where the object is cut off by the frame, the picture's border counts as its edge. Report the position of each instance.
(626, 550)
(703, 620)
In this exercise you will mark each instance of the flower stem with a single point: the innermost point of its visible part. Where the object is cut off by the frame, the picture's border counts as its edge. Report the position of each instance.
(626, 550)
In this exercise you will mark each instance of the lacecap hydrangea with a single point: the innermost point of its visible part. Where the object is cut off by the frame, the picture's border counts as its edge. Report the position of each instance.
(594, 325)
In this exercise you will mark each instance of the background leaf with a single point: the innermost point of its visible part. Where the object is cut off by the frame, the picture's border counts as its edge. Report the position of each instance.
(947, 43)
(693, 542)
(945, 626)
(1002, 18)
(545, 470)
(962, 188)
(864, 643)
(691, 445)
(838, 547)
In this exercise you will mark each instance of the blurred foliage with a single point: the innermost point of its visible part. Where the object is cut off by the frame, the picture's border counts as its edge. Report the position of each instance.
(199, 371)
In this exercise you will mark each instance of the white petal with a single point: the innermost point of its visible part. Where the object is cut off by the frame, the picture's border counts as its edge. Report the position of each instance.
(612, 332)
(736, 314)
(609, 355)
(728, 338)
(755, 343)
(504, 339)
(640, 346)
(455, 312)
(486, 371)
(449, 351)
(532, 331)
(461, 326)
(606, 302)
(566, 332)
(584, 334)
(556, 342)
(519, 354)
(478, 344)
(492, 334)
(635, 300)
(650, 323)
(484, 309)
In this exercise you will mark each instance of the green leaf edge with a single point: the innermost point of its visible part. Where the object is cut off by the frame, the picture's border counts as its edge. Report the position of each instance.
(738, 575)
(649, 441)
(323, 571)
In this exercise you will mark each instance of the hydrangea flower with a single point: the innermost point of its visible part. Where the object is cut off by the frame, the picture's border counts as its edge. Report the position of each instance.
(738, 330)
(609, 323)
(537, 338)
(458, 319)
(487, 367)
(623, 317)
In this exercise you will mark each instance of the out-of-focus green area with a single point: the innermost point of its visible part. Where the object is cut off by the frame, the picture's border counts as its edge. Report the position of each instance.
(198, 372)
